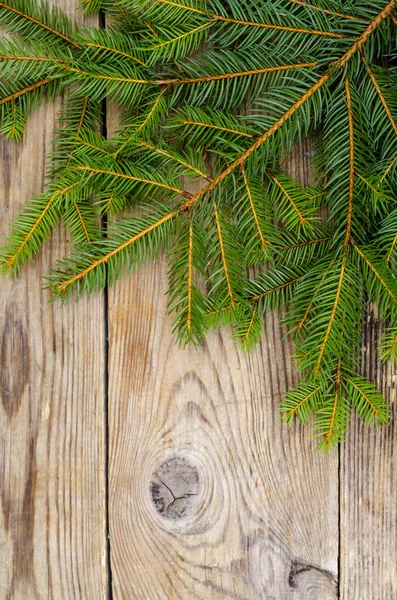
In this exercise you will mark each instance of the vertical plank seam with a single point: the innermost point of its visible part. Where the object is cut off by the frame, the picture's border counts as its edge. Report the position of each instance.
(109, 577)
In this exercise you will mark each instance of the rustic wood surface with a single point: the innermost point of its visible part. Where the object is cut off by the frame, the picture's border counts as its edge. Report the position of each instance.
(263, 520)
(132, 469)
(52, 399)
(368, 532)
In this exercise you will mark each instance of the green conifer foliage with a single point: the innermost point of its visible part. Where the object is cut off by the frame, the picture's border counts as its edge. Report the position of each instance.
(219, 91)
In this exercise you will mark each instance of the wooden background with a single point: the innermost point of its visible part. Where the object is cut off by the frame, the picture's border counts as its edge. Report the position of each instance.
(131, 469)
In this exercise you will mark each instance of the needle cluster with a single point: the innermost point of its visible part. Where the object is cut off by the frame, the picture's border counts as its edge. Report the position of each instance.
(219, 91)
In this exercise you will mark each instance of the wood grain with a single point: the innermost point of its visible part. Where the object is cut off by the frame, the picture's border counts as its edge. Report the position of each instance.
(210, 495)
(368, 560)
(52, 458)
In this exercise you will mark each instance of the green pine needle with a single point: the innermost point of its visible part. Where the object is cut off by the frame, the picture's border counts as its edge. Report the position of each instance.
(216, 94)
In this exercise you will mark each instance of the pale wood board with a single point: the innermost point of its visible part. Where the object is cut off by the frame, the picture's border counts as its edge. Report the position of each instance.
(210, 496)
(263, 520)
(368, 553)
(52, 386)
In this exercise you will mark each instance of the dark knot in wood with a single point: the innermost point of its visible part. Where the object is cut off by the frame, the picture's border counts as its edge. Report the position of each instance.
(175, 488)
(14, 362)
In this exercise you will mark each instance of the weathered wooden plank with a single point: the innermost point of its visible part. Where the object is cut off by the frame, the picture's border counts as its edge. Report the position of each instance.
(368, 560)
(210, 495)
(52, 459)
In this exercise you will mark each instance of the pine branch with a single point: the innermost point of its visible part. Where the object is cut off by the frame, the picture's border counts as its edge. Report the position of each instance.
(390, 166)
(268, 133)
(89, 261)
(224, 259)
(324, 10)
(381, 97)
(32, 228)
(381, 286)
(175, 158)
(351, 166)
(251, 23)
(234, 75)
(18, 14)
(144, 124)
(300, 402)
(220, 91)
(26, 90)
(186, 299)
(259, 220)
(108, 46)
(331, 319)
(359, 44)
(368, 403)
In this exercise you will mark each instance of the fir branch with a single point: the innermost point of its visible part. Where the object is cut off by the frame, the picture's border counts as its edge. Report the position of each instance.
(331, 318)
(305, 243)
(184, 36)
(142, 126)
(186, 300)
(113, 51)
(234, 75)
(388, 346)
(388, 234)
(26, 90)
(301, 218)
(94, 171)
(275, 289)
(332, 416)
(81, 219)
(391, 165)
(319, 74)
(215, 17)
(108, 77)
(190, 280)
(248, 333)
(224, 260)
(300, 402)
(367, 183)
(392, 248)
(13, 9)
(175, 158)
(324, 10)
(60, 282)
(381, 96)
(32, 228)
(331, 433)
(79, 126)
(122, 12)
(359, 44)
(351, 166)
(217, 127)
(254, 210)
(378, 273)
(32, 58)
(84, 144)
(316, 291)
(261, 140)
(367, 401)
